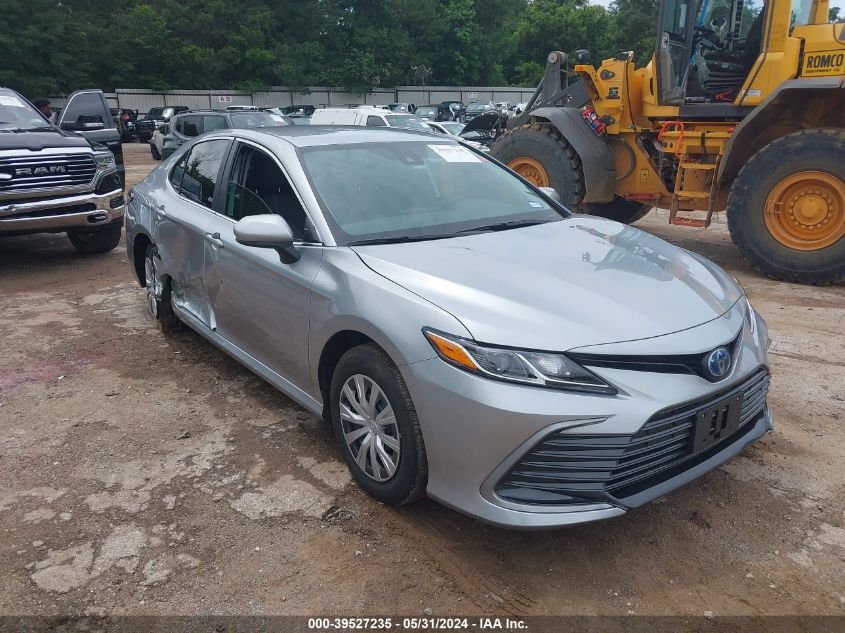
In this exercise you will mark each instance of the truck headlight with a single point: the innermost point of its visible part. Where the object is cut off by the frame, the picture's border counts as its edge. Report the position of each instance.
(105, 161)
(530, 367)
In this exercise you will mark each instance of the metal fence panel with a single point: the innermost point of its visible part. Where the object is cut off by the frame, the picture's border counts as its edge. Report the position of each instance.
(321, 96)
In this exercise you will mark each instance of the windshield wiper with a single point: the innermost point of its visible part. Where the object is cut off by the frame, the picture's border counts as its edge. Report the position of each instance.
(501, 226)
(399, 239)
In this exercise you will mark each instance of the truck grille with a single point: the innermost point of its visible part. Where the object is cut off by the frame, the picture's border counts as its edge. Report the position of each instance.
(52, 171)
(569, 468)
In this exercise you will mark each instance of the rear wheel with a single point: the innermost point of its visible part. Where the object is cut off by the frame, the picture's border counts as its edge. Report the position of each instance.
(539, 153)
(97, 241)
(786, 211)
(619, 209)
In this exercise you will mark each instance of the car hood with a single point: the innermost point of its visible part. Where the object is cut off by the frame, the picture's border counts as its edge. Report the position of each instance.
(580, 281)
(36, 141)
(485, 120)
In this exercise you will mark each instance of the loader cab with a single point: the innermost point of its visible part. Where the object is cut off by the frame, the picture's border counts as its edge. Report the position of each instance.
(706, 48)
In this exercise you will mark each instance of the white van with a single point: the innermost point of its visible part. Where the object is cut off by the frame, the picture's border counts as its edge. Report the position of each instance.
(367, 115)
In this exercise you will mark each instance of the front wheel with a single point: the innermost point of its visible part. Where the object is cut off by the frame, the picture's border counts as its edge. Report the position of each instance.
(786, 211)
(98, 241)
(376, 427)
(158, 293)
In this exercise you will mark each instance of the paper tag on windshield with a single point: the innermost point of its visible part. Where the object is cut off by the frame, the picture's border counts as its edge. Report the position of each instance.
(276, 117)
(8, 100)
(455, 154)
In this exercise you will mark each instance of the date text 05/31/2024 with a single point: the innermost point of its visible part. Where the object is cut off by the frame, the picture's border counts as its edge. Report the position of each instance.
(416, 624)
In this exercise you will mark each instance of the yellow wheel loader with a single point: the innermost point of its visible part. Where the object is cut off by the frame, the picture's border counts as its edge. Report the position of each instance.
(735, 112)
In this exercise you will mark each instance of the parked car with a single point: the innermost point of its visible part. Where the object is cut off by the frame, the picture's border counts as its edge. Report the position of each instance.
(465, 335)
(145, 127)
(453, 129)
(157, 141)
(434, 113)
(457, 109)
(128, 118)
(186, 125)
(476, 108)
(485, 128)
(306, 110)
(368, 116)
(57, 181)
(408, 108)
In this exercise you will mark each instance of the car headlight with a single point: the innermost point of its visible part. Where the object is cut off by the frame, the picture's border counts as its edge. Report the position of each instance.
(530, 367)
(105, 161)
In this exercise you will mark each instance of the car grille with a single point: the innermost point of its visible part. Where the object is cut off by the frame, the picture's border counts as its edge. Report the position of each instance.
(577, 468)
(52, 171)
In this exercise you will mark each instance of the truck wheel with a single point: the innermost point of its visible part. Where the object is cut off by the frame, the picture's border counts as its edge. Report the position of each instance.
(97, 241)
(158, 294)
(619, 209)
(539, 153)
(786, 210)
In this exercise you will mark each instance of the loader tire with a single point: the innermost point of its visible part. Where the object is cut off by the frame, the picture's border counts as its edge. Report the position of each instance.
(786, 209)
(539, 153)
(619, 209)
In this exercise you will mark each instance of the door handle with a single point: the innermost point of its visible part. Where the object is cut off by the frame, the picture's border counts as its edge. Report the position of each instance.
(214, 238)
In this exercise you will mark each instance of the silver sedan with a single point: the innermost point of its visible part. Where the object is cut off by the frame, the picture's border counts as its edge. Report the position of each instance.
(466, 336)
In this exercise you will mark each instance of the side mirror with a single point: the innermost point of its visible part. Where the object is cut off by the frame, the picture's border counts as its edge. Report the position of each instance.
(90, 122)
(267, 231)
(551, 192)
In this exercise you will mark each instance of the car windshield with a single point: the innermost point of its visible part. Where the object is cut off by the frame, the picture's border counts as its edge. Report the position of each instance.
(426, 111)
(416, 190)
(407, 121)
(15, 113)
(156, 113)
(477, 107)
(256, 118)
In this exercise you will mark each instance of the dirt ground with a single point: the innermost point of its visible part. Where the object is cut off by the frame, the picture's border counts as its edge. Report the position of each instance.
(151, 474)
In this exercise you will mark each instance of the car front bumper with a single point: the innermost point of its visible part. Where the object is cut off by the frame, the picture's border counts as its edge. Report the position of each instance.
(476, 430)
(57, 215)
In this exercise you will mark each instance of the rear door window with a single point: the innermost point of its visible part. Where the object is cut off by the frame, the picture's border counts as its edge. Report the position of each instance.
(191, 125)
(213, 122)
(375, 121)
(201, 171)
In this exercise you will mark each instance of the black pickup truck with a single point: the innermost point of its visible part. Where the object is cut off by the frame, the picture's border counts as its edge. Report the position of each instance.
(65, 178)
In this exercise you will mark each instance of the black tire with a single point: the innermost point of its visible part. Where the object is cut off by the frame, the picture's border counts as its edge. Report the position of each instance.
(619, 209)
(96, 241)
(812, 150)
(160, 307)
(543, 143)
(154, 151)
(409, 481)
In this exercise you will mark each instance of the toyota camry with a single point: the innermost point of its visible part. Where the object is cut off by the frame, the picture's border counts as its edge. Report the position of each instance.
(466, 336)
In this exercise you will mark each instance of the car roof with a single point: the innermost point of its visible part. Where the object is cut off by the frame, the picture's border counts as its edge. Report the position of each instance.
(316, 135)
